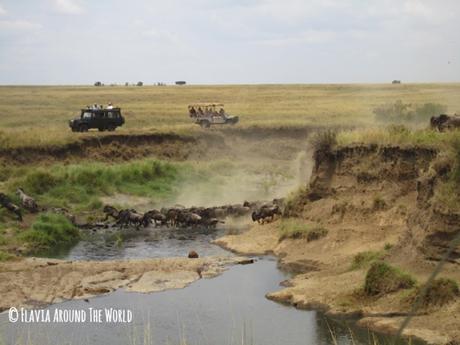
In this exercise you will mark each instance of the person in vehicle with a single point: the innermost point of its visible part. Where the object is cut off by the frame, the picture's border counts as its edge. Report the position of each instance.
(200, 111)
(109, 105)
(192, 112)
(222, 112)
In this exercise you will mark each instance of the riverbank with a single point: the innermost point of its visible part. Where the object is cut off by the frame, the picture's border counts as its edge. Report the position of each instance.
(372, 204)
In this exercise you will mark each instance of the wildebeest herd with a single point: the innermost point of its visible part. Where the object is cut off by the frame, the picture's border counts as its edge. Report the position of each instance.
(175, 216)
(180, 216)
(445, 122)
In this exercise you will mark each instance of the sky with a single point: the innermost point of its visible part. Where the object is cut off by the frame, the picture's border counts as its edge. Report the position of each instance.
(229, 41)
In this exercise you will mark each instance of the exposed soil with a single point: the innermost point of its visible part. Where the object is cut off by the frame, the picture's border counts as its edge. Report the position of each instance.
(369, 199)
(197, 145)
(33, 282)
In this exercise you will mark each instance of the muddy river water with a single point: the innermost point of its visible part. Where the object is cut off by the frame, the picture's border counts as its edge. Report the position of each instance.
(230, 309)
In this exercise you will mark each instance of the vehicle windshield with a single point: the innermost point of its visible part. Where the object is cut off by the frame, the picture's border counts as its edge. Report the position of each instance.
(86, 115)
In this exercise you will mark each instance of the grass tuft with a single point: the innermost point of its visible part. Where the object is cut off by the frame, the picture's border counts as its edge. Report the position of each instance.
(295, 228)
(382, 278)
(440, 292)
(365, 259)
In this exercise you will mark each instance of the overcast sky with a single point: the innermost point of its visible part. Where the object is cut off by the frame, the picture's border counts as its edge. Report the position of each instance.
(229, 41)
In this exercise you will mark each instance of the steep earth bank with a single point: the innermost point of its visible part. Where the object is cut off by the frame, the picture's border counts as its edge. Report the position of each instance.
(201, 144)
(369, 198)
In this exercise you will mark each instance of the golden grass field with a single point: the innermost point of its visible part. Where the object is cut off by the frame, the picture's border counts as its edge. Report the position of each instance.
(38, 115)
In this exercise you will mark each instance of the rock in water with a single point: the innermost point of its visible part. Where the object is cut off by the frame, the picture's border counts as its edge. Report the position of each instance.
(193, 255)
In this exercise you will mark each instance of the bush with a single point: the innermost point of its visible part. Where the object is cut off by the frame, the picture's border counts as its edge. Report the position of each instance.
(438, 293)
(382, 278)
(50, 230)
(40, 181)
(364, 259)
(297, 229)
(324, 140)
(398, 112)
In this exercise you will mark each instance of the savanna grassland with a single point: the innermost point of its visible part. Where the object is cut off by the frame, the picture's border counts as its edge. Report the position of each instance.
(38, 115)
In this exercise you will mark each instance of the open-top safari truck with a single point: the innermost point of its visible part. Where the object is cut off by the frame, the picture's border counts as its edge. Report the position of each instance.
(207, 114)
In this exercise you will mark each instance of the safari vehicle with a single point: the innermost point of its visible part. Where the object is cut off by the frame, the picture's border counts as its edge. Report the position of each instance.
(102, 119)
(207, 114)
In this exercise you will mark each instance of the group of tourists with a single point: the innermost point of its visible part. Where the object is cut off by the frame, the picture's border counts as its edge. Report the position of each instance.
(208, 111)
(100, 107)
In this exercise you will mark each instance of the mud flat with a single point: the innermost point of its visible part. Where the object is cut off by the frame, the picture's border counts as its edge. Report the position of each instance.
(35, 281)
(370, 200)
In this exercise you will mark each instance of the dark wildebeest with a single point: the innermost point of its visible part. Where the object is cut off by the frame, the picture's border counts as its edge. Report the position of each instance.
(110, 211)
(27, 201)
(443, 122)
(186, 219)
(265, 213)
(156, 216)
(130, 217)
(6, 203)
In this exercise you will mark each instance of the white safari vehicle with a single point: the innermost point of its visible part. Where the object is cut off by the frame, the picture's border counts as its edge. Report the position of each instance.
(207, 114)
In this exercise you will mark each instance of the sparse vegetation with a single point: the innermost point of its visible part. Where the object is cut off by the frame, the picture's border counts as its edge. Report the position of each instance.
(257, 105)
(382, 278)
(323, 140)
(440, 292)
(378, 203)
(295, 228)
(294, 202)
(399, 112)
(50, 230)
(365, 259)
(5, 256)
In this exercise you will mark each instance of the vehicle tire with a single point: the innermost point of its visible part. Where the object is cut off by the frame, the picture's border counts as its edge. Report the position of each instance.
(101, 129)
(111, 128)
(205, 124)
(83, 128)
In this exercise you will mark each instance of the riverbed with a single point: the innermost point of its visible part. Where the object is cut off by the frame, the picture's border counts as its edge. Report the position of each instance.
(228, 309)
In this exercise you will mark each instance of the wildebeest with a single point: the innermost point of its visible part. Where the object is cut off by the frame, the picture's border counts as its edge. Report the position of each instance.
(156, 216)
(130, 217)
(445, 122)
(186, 218)
(27, 201)
(110, 211)
(265, 213)
(6, 203)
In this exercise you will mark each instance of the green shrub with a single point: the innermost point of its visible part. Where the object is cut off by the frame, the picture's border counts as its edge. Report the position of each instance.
(381, 278)
(295, 229)
(50, 230)
(364, 259)
(40, 181)
(438, 293)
